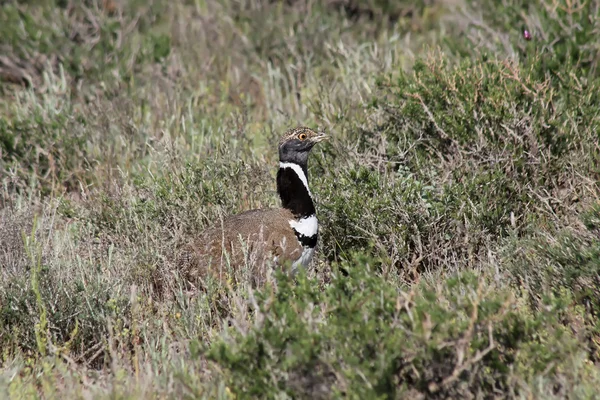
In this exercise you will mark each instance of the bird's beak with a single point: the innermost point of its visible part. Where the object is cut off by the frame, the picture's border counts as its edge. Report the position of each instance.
(320, 137)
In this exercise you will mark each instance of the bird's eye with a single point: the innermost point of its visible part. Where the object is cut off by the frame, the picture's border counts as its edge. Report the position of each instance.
(302, 136)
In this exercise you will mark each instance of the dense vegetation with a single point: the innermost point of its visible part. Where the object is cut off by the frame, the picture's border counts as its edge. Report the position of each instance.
(459, 197)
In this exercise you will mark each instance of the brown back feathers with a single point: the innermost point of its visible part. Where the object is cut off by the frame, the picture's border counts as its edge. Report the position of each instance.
(252, 238)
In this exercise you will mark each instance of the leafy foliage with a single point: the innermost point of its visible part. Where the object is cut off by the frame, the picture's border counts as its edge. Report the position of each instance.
(362, 337)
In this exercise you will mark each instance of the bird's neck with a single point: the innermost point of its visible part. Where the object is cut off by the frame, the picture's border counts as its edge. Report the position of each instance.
(292, 186)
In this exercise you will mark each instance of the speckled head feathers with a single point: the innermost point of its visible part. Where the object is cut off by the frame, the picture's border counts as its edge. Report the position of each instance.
(296, 143)
(302, 133)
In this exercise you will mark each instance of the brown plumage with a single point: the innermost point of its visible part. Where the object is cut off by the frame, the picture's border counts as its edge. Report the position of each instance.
(264, 236)
(251, 238)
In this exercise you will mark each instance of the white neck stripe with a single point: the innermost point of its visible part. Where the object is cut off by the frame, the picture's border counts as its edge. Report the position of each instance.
(298, 170)
(307, 226)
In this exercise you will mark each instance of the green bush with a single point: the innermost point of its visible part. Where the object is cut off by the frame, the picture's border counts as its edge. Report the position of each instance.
(44, 310)
(44, 144)
(568, 262)
(362, 337)
(562, 34)
(477, 151)
(96, 40)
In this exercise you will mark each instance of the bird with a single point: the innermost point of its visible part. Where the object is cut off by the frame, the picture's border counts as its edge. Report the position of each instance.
(286, 235)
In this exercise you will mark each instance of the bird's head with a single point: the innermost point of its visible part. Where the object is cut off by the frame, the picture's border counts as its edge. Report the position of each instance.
(296, 143)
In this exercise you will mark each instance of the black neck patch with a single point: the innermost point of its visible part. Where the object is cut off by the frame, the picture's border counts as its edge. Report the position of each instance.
(307, 241)
(294, 195)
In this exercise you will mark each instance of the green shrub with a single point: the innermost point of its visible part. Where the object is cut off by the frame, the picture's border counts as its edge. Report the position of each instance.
(362, 337)
(562, 34)
(476, 151)
(43, 144)
(568, 262)
(97, 40)
(43, 309)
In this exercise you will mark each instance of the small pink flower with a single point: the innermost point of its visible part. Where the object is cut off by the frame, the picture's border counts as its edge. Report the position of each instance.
(526, 35)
